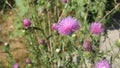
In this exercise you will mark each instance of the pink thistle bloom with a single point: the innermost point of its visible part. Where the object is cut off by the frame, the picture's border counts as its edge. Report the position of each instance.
(15, 65)
(102, 64)
(87, 45)
(96, 28)
(65, 1)
(68, 25)
(28, 61)
(55, 26)
(26, 23)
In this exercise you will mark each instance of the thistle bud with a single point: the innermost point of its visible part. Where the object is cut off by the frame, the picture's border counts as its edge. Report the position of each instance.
(28, 61)
(15, 65)
(117, 42)
(65, 1)
(26, 23)
(42, 41)
(54, 26)
(87, 46)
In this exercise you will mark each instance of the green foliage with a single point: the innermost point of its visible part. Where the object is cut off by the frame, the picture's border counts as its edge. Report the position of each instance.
(18, 30)
(22, 7)
(44, 14)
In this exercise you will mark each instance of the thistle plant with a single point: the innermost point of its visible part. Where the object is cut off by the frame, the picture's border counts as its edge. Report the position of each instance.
(59, 33)
(52, 44)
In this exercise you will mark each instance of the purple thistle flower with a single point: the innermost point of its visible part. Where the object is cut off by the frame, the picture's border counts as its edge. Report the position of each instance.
(15, 65)
(68, 25)
(102, 64)
(87, 45)
(65, 1)
(55, 26)
(26, 23)
(96, 28)
(28, 61)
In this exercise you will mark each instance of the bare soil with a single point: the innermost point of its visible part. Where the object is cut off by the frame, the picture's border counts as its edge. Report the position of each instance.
(17, 45)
